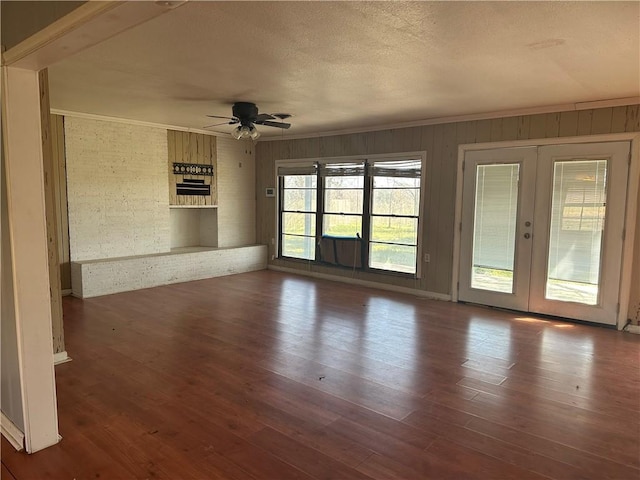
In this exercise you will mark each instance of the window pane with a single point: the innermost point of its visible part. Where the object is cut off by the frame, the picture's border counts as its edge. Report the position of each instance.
(494, 230)
(298, 247)
(396, 202)
(395, 182)
(299, 199)
(344, 182)
(300, 181)
(397, 258)
(343, 201)
(342, 225)
(394, 230)
(299, 223)
(577, 222)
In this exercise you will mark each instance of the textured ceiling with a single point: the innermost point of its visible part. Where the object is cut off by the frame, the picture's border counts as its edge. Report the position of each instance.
(352, 65)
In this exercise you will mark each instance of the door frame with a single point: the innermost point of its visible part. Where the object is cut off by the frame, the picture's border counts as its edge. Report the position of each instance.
(633, 184)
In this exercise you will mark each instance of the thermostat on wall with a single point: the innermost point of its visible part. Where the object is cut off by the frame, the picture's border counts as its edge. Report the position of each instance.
(270, 192)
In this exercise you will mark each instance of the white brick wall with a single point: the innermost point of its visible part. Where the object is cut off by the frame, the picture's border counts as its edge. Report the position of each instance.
(118, 189)
(236, 192)
(93, 278)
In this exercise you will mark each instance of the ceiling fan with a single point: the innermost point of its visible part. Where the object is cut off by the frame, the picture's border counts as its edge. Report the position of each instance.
(246, 115)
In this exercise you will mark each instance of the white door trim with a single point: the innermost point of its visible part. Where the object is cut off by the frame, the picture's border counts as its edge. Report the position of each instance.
(630, 215)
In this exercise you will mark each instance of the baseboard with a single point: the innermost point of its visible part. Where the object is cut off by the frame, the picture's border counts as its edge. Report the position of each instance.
(364, 283)
(633, 329)
(67, 292)
(61, 357)
(12, 433)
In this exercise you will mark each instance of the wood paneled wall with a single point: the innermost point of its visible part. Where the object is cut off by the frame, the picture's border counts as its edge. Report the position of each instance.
(188, 147)
(51, 208)
(62, 214)
(441, 144)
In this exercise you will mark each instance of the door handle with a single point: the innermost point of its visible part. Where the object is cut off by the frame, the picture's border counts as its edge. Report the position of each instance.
(527, 235)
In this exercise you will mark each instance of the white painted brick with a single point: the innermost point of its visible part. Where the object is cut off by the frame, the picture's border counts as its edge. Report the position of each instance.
(118, 193)
(236, 192)
(102, 277)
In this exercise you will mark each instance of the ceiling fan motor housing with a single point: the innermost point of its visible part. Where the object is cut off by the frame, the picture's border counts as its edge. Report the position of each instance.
(245, 112)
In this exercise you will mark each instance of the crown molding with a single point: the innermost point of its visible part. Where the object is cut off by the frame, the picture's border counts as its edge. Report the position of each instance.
(127, 121)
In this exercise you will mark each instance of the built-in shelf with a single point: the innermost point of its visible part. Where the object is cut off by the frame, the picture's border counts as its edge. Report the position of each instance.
(193, 206)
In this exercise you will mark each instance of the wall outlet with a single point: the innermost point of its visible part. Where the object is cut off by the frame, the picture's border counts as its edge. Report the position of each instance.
(427, 258)
(273, 257)
(273, 241)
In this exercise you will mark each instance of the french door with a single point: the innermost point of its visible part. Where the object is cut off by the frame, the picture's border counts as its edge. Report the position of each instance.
(542, 229)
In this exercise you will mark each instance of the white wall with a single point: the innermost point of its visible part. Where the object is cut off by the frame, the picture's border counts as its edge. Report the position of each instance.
(118, 192)
(236, 192)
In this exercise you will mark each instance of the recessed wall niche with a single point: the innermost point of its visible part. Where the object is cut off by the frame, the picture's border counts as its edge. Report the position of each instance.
(193, 227)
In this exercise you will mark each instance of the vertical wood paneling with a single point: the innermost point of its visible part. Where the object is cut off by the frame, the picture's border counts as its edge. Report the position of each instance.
(467, 132)
(62, 214)
(538, 126)
(441, 144)
(601, 122)
(383, 140)
(483, 131)
(496, 129)
(171, 150)
(510, 128)
(524, 125)
(568, 124)
(633, 118)
(189, 147)
(433, 195)
(50, 172)
(552, 125)
(446, 211)
(584, 122)
(618, 119)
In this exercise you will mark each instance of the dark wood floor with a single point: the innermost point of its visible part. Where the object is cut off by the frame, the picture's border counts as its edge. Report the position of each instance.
(272, 376)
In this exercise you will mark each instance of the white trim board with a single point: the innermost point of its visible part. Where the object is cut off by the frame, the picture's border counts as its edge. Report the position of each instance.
(630, 215)
(141, 123)
(61, 357)
(363, 283)
(12, 433)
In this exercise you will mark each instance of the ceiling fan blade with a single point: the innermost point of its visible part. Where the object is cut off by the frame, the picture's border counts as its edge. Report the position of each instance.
(263, 116)
(232, 122)
(274, 124)
(269, 123)
(217, 116)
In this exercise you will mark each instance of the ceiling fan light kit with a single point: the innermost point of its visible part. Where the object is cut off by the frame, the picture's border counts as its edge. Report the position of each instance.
(246, 114)
(245, 131)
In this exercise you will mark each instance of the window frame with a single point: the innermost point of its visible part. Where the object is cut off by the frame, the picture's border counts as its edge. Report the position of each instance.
(367, 216)
(371, 178)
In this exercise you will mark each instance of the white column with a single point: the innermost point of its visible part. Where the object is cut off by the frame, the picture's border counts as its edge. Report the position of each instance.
(27, 230)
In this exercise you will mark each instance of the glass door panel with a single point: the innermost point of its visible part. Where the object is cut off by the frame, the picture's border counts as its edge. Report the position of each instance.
(578, 209)
(494, 230)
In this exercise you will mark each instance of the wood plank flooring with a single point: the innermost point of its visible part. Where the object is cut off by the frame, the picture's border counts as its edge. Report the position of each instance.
(266, 375)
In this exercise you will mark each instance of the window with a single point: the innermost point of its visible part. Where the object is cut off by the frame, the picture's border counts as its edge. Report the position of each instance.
(395, 209)
(343, 199)
(368, 211)
(298, 196)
